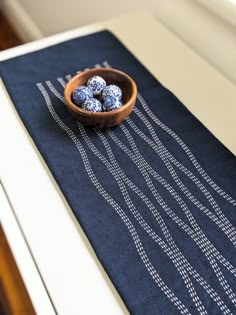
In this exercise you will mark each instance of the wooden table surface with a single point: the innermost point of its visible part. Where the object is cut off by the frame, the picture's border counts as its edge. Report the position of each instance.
(8, 37)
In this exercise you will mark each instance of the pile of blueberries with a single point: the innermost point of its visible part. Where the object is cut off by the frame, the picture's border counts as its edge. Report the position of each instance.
(97, 96)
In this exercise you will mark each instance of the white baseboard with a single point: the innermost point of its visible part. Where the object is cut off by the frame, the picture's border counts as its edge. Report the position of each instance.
(20, 20)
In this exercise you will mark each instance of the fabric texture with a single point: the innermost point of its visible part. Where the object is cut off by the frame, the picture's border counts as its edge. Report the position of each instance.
(155, 195)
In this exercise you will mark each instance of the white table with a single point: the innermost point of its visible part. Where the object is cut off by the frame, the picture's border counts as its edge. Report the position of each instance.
(57, 263)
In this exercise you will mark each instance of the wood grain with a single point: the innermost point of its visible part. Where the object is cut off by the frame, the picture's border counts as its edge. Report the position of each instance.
(8, 37)
(14, 298)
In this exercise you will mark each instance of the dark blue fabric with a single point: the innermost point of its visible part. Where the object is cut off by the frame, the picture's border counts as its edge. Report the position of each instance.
(108, 234)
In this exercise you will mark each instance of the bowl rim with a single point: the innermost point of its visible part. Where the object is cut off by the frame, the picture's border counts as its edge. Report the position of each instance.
(74, 107)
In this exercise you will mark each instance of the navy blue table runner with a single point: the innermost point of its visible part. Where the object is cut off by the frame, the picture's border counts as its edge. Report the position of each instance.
(155, 195)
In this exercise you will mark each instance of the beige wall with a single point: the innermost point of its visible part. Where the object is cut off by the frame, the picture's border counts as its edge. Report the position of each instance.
(53, 16)
(208, 28)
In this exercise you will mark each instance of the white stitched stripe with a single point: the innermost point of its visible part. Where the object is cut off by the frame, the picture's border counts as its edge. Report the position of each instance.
(62, 82)
(68, 77)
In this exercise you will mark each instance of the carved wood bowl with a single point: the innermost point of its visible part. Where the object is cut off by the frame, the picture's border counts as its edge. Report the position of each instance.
(102, 119)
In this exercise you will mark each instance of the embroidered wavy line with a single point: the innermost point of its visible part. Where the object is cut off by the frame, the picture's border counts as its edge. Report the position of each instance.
(199, 236)
(208, 254)
(187, 151)
(137, 242)
(165, 154)
(217, 254)
(185, 148)
(166, 157)
(221, 278)
(174, 254)
(177, 261)
(223, 225)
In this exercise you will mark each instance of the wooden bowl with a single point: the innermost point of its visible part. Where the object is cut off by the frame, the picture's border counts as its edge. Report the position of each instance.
(102, 119)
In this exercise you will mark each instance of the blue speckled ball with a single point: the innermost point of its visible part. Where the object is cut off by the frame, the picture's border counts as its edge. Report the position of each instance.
(96, 84)
(92, 105)
(111, 103)
(112, 90)
(81, 94)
